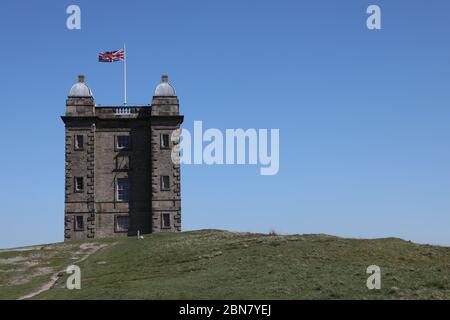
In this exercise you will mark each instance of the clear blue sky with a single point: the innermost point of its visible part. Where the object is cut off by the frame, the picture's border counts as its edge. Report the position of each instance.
(364, 116)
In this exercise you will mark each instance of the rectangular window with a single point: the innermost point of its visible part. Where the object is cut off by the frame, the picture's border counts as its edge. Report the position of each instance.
(79, 223)
(165, 183)
(122, 223)
(122, 190)
(123, 142)
(165, 221)
(79, 142)
(164, 141)
(79, 184)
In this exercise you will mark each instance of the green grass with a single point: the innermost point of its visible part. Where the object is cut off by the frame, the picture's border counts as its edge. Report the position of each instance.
(223, 265)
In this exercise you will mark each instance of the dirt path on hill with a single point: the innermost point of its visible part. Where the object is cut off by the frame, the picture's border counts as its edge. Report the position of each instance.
(88, 249)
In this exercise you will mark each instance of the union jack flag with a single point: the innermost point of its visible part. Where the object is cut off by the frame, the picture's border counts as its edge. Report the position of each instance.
(111, 56)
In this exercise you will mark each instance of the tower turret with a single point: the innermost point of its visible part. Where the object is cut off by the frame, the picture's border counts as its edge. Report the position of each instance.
(165, 102)
(80, 101)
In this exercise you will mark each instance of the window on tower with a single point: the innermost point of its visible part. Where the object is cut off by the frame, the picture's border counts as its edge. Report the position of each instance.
(123, 142)
(122, 193)
(122, 223)
(79, 223)
(79, 142)
(165, 141)
(165, 221)
(79, 184)
(165, 183)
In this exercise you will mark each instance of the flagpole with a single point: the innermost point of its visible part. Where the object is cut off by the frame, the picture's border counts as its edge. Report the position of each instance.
(125, 72)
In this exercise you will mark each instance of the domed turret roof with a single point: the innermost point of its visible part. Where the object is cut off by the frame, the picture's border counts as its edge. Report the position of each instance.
(80, 89)
(164, 89)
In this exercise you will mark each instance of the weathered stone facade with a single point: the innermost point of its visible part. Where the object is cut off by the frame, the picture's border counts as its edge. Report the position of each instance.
(120, 177)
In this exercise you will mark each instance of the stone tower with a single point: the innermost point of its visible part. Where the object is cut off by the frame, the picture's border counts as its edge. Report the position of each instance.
(120, 177)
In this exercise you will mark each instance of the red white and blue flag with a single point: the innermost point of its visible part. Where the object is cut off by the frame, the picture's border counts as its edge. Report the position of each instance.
(112, 56)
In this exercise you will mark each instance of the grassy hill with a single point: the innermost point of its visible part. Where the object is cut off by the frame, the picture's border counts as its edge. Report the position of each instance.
(223, 265)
